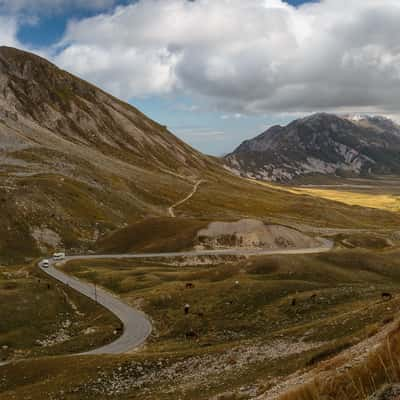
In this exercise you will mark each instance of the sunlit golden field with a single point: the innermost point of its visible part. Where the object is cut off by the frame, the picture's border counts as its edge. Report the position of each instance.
(382, 201)
(378, 195)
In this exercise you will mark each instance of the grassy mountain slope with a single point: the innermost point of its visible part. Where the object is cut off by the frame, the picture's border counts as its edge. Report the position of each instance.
(75, 161)
(77, 164)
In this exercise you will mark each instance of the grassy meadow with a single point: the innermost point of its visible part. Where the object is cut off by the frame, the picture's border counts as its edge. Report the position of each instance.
(379, 193)
(40, 317)
(251, 298)
(252, 322)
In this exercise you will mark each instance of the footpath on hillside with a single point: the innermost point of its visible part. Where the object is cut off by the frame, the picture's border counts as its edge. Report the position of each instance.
(188, 197)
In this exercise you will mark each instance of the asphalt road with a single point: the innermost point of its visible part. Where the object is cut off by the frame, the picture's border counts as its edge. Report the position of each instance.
(326, 245)
(137, 326)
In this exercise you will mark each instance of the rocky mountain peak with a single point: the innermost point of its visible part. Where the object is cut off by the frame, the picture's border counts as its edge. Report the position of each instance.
(320, 144)
(381, 123)
(35, 91)
(75, 160)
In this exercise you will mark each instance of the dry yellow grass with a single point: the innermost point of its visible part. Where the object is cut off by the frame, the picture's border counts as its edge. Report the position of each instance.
(355, 382)
(381, 201)
(387, 202)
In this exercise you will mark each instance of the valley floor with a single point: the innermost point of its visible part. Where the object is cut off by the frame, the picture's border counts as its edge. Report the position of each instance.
(244, 333)
(257, 327)
(381, 192)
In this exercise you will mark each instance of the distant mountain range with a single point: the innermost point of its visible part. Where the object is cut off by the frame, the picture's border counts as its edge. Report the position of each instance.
(321, 144)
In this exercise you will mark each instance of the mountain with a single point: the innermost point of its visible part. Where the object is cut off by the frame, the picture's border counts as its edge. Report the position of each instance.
(321, 144)
(78, 165)
(376, 122)
(75, 161)
(36, 94)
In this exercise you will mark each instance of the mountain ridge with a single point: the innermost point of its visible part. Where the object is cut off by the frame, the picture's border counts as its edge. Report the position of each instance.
(321, 143)
(77, 164)
(38, 91)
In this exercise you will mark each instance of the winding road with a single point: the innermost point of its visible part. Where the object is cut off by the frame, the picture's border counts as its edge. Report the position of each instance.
(137, 326)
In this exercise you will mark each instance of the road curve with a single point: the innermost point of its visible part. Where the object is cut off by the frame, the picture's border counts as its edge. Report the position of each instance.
(137, 326)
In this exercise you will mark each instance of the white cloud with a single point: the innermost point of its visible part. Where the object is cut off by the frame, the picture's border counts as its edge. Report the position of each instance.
(232, 116)
(8, 31)
(252, 56)
(199, 134)
(44, 6)
(125, 71)
(187, 107)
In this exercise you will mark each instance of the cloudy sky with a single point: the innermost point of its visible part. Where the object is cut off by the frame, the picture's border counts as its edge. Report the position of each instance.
(220, 71)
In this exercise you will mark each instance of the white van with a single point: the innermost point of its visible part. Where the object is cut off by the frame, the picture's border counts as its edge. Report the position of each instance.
(45, 263)
(58, 256)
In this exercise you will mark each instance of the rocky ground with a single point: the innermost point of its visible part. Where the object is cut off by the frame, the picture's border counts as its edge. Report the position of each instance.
(202, 371)
(340, 364)
(250, 233)
(389, 392)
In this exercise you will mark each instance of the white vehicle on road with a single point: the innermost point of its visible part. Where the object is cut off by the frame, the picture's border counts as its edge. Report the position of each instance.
(58, 256)
(45, 263)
